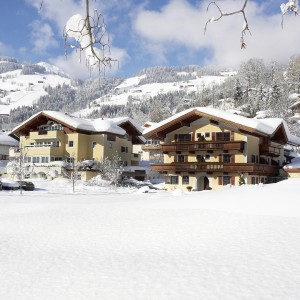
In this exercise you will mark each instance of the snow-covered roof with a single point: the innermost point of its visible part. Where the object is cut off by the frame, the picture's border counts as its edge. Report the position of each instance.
(92, 125)
(6, 140)
(267, 126)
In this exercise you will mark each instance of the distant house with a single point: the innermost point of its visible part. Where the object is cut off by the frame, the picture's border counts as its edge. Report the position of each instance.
(205, 148)
(6, 142)
(51, 137)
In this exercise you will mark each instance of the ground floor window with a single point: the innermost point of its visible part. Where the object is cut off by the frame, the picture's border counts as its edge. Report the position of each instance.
(171, 179)
(254, 180)
(185, 179)
(226, 179)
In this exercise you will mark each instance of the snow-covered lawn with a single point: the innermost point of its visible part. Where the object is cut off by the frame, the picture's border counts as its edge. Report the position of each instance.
(236, 244)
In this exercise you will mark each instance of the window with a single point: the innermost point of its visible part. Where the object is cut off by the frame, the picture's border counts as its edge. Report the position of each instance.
(35, 159)
(254, 180)
(180, 158)
(124, 149)
(223, 136)
(45, 159)
(200, 136)
(226, 158)
(207, 134)
(185, 179)
(28, 159)
(171, 179)
(94, 144)
(207, 157)
(111, 137)
(226, 180)
(71, 144)
(183, 137)
(254, 159)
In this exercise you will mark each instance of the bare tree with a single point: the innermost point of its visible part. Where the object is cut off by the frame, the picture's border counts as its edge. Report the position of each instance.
(19, 166)
(90, 35)
(290, 6)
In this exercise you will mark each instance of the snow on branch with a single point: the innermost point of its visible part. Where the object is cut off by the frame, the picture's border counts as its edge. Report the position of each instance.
(290, 6)
(90, 35)
(245, 27)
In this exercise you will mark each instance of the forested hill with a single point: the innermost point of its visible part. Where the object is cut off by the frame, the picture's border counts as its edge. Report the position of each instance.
(256, 89)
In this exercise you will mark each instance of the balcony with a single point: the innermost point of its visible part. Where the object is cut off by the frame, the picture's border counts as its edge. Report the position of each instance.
(203, 146)
(262, 169)
(151, 147)
(269, 150)
(44, 134)
(44, 151)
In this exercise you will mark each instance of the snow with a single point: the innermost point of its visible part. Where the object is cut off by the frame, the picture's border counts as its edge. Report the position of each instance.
(266, 126)
(25, 90)
(131, 88)
(6, 140)
(238, 243)
(94, 125)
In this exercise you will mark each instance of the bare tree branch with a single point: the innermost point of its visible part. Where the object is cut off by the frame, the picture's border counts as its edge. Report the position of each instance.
(223, 14)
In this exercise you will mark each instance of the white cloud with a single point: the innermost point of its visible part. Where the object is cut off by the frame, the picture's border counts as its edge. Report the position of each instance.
(42, 37)
(179, 24)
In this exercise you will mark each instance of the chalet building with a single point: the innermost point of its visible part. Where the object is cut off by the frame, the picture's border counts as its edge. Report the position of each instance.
(49, 138)
(6, 142)
(205, 148)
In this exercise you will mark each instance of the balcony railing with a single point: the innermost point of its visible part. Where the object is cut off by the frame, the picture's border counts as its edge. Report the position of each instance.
(151, 147)
(203, 146)
(216, 167)
(269, 150)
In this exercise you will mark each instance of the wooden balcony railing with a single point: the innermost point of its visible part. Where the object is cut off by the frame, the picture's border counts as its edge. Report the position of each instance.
(269, 150)
(151, 147)
(203, 146)
(216, 167)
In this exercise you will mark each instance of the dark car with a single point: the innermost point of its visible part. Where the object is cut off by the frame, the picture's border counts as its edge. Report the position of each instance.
(0, 186)
(26, 185)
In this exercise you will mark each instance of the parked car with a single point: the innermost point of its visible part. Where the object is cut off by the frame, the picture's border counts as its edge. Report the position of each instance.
(0, 186)
(26, 185)
(131, 182)
(8, 184)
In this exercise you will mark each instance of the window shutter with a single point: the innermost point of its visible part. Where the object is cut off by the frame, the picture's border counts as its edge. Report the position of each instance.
(192, 137)
(220, 157)
(232, 180)
(220, 179)
(185, 158)
(232, 158)
(213, 136)
(175, 158)
(232, 135)
(176, 136)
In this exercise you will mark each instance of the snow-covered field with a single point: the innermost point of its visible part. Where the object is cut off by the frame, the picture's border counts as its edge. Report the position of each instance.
(236, 244)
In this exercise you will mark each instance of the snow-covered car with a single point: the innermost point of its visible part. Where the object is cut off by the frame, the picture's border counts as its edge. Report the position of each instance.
(26, 185)
(8, 184)
(131, 182)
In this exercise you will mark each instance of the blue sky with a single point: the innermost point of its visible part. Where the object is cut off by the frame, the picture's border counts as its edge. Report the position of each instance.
(150, 33)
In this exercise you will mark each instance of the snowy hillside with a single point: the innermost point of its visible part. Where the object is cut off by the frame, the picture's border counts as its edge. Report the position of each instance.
(132, 90)
(18, 90)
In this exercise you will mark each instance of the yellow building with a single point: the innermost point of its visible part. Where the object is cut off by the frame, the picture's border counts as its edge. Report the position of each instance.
(205, 148)
(49, 138)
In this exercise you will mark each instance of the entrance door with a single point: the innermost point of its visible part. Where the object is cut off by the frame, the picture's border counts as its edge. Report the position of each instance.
(206, 183)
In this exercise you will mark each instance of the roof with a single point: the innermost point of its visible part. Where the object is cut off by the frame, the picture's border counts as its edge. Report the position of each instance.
(274, 128)
(6, 140)
(118, 126)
